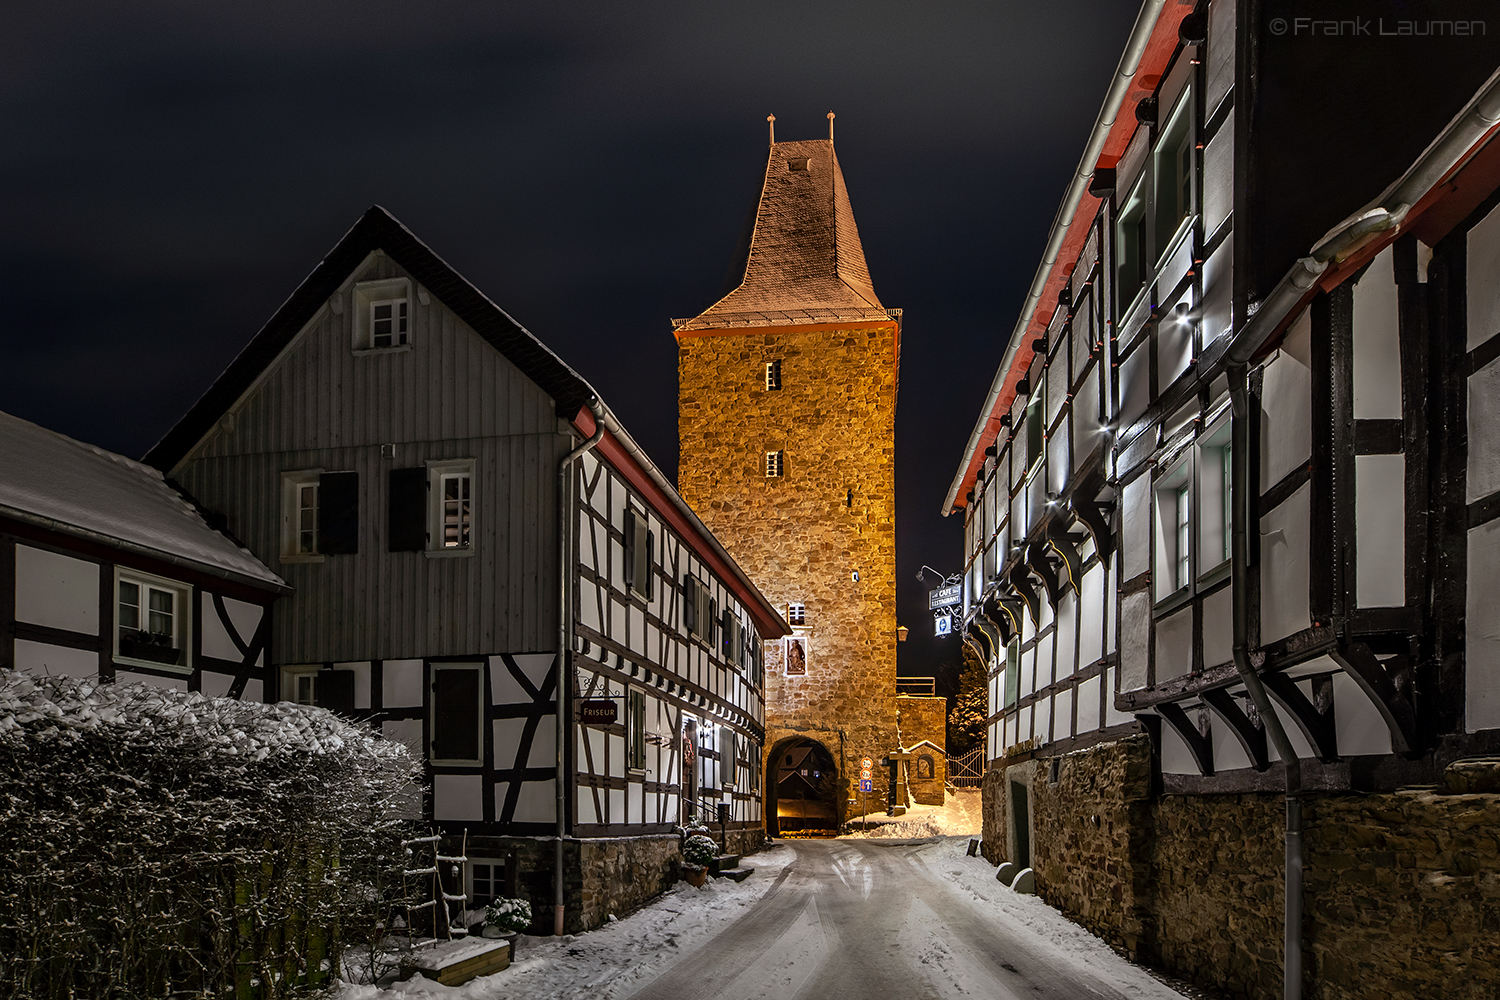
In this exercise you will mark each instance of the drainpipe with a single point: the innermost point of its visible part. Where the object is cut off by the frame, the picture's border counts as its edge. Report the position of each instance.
(1239, 565)
(565, 570)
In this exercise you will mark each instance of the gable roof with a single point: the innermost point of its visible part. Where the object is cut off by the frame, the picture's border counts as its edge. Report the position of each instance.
(78, 489)
(377, 229)
(804, 262)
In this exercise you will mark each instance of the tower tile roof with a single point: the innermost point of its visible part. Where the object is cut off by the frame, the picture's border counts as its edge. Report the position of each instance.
(803, 263)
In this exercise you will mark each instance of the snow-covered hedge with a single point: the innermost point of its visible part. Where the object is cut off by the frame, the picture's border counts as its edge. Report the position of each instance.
(159, 843)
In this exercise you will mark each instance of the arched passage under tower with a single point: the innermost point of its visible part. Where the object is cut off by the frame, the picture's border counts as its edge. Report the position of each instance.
(803, 789)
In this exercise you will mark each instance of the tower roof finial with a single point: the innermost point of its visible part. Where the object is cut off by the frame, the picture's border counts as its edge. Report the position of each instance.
(830, 126)
(771, 120)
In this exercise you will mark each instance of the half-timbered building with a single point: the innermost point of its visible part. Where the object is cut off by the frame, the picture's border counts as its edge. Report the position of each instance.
(109, 572)
(1229, 507)
(454, 506)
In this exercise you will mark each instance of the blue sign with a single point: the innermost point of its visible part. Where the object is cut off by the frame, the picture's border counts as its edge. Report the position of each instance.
(866, 785)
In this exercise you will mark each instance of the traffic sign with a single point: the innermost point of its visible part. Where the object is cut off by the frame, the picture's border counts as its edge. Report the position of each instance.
(867, 763)
(866, 785)
(865, 775)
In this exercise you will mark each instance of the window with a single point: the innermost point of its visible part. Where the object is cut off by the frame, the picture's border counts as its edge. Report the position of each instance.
(1035, 436)
(640, 554)
(457, 511)
(456, 725)
(310, 684)
(728, 756)
(1226, 478)
(1174, 532)
(1184, 508)
(1172, 161)
(699, 612)
(635, 729)
(1130, 247)
(320, 515)
(382, 315)
(1215, 513)
(796, 614)
(299, 685)
(487, 881)
(774, 464)
(152, 620)
(773, 376)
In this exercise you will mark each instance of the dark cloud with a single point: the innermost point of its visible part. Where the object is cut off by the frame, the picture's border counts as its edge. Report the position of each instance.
(171, 171)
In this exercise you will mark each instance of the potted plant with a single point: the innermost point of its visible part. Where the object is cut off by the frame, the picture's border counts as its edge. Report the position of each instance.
(698, 852)
(506, 919)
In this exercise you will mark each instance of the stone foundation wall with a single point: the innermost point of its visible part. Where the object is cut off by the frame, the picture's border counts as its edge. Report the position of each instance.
(1402, 890)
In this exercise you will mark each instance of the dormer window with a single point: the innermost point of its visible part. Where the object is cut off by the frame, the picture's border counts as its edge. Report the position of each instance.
(797, 163)
(382, 315)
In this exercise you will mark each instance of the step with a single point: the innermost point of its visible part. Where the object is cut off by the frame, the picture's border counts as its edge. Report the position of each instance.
(738, 874)
(723, 862)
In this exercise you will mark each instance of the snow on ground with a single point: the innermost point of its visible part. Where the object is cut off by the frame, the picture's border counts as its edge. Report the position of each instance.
(614, 960)
(958, 816)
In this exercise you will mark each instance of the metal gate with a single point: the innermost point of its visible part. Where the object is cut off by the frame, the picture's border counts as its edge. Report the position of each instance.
(967, 771)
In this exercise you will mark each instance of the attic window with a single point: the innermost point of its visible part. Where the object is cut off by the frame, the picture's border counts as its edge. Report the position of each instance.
(796, 613)
(774, 464)
(382, 315)
(773, 375)
(797, 163)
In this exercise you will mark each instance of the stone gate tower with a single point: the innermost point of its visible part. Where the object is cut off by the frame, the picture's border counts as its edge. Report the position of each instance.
(786, 427)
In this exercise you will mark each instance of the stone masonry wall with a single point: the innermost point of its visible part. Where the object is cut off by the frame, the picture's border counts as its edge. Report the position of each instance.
(919, 718)
(802, 536)
(1402, 890)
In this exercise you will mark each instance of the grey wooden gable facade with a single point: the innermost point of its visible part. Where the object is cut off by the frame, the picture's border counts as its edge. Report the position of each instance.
(330, 446)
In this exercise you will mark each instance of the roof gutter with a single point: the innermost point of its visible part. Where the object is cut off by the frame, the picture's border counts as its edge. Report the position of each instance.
(1130, 61)
(1438, 161)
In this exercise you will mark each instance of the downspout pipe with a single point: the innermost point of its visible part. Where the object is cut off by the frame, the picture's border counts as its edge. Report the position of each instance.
(1239, 572)
(565, 570)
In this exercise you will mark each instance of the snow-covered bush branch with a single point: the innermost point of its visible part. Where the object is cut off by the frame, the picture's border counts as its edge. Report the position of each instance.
(162, 843)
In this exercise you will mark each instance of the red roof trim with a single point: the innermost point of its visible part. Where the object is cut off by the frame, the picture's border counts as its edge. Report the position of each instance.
(1149, 74)
(769, 626)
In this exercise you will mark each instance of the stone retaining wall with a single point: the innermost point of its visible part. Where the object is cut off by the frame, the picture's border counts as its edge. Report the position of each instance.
(1402, 890)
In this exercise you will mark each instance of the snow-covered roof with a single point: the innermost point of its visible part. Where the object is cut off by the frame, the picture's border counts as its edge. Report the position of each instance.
(78, 489)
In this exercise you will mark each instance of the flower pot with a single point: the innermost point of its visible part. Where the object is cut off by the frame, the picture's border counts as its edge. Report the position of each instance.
(694, 875)
(514, 937)
(492, 932)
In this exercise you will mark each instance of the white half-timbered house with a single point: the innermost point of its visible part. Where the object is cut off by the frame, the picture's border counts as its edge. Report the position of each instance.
(1236, 483)
(452, 505)
(107, 571)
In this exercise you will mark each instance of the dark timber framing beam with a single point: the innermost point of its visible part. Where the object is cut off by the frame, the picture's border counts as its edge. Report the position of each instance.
(1250, 732)
(1388, 687)
(1314, 717)
(1198, 744)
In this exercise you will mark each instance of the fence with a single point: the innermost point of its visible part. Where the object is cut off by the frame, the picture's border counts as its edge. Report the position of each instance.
(925, 686)
(967, 771)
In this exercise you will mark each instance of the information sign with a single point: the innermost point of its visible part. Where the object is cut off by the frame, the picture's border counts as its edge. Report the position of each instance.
(866, 785)
(598, 712)
(942, 625)
(945, 597)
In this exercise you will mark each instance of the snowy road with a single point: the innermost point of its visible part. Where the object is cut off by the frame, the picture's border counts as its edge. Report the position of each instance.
(821, 920)
(871, 918)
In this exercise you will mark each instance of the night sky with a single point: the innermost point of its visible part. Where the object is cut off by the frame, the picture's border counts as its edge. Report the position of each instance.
(169, 172)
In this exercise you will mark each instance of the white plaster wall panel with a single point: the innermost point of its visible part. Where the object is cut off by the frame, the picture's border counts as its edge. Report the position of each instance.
(457, 797)
(401, 683)
(1057, 384)
(1036, 499)
(1483, 290)
(1088, 705)
(1484, 429)
(361, 672)
(1111, 609)
(616, 754)
(1132, 160)
(1300, 746)
(617, 496)
(1218, 177)
(1380, 530)
(1028, 627)
(1286, 406)
(1135, 529)
(1044, 650)
(1066, 634)
(1091, 616)
(1135, 386)
(1360, 728)
(586, 811)
(1083, 323)
(1062, 715)
(1172, 273)
(47, 660)
(1482, 629)
(57, 591)
(1176, 758)
(535, 804)
(1113, 716)
(215, 638)
(1218, 294)
(407, 732)
(1041, 726)
(637, 631)
(1229, 755)
(1024, 730)
(583, 532)
(1218, 627)
(617, 618)
(1088, 430)
(1008, 732)
(151, 680)
(1219, 58)
(1285, 540)
(617, 812)
(588, 605)
(1027, 682)
(508, 733)
(1058, 465)
(1135, 635)
(214, 685)
(1174, 645)
(595, 753)
(1377, 342)
(254, 691)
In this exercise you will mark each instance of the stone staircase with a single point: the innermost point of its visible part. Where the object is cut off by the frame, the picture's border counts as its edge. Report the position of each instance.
(728, 866)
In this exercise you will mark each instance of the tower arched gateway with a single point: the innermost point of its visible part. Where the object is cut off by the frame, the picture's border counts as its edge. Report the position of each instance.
(802, 788)
(786, 425)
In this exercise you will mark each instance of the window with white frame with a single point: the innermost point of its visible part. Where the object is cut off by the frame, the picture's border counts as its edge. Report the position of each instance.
(382, 315)
(796, 614)
(1173, 571)
(775, 462)
(152, 620)
(450, 507)
(299, 684)
(1172, 162)
(773, 376)
(300, 515)
(319, 514)
(486, 881)
(1215, 514)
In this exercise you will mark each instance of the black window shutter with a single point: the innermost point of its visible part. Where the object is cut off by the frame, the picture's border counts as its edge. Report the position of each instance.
(629, 548)
(455, 714)
(406, 520)
(334, 690)
(650, 564)
(689, 605)
(726, 636)
(338, 513)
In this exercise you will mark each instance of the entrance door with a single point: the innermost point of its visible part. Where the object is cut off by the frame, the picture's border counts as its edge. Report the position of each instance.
(1020, 824)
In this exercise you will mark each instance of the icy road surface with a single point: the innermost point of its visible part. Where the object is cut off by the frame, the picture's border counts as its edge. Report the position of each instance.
(824, 920)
